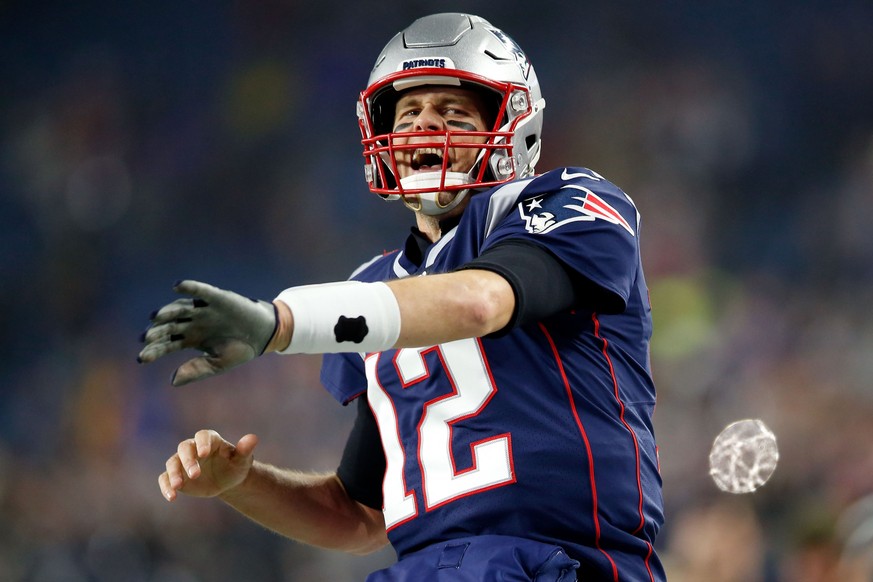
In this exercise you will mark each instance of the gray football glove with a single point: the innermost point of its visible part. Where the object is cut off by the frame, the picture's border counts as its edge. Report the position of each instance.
(228, 328)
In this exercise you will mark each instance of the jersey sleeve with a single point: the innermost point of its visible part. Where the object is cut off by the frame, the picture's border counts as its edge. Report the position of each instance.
(540, 283)
(343, 376)
(589, 224)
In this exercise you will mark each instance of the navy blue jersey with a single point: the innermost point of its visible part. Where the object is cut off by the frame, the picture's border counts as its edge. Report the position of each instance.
(544, 432)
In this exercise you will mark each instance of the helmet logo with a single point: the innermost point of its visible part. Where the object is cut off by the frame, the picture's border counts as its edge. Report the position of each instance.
(435, 62)
(513, 48)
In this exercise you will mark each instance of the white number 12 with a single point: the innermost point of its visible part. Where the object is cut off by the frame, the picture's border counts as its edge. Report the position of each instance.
(472, 389)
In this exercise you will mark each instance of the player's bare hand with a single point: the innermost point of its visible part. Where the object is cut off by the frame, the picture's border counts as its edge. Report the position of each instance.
(228, 328)
(207, 465)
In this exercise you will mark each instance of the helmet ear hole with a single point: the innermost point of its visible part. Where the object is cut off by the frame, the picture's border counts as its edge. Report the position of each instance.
(530, 141)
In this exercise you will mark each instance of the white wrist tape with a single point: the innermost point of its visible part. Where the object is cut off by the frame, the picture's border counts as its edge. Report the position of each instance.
(350, 316)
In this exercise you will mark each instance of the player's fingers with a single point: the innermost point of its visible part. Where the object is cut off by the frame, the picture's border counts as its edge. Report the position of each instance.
(166, 332)
(176, 475)
(207, 442)
(206, 294)
(167, 490)
(154, 350)
(178, 309)
(187, 455)
(204, 291)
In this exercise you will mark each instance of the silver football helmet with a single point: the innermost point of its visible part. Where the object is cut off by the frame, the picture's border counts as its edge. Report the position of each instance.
(456, 50)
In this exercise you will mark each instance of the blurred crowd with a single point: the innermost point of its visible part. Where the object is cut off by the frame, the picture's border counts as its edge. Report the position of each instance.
(141, 143)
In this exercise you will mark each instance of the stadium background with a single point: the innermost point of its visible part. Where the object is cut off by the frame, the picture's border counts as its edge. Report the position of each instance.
(143, 142)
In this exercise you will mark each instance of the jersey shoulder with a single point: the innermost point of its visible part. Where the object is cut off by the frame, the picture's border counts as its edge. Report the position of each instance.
(572, 194)
(560, 178)
(379, 268)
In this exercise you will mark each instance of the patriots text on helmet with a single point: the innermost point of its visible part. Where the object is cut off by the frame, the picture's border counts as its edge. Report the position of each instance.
(418, 63)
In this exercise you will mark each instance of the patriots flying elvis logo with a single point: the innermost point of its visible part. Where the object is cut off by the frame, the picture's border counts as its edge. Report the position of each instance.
(542, 214)
(512, 47)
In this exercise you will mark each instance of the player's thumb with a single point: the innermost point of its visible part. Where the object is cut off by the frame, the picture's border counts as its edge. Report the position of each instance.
(193, 370)
(246, 445)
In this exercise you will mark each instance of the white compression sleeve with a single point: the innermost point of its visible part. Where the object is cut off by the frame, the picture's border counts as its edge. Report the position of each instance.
(349, 316)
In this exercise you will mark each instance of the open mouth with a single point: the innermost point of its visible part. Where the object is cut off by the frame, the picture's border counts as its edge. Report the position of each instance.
(427, 159)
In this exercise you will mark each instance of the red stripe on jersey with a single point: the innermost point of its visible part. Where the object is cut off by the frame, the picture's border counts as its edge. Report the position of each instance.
(597, 206)
(587, 448)
(629, 429)
(648, 567)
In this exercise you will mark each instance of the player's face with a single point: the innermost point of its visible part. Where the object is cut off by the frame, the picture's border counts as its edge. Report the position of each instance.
(438, 109)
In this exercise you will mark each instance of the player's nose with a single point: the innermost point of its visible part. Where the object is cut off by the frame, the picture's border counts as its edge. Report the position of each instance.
(429, 119)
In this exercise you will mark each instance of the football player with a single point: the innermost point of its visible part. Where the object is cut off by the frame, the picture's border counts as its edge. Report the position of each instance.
(498, 360)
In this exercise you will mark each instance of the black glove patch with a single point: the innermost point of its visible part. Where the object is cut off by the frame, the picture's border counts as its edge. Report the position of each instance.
(351, 329)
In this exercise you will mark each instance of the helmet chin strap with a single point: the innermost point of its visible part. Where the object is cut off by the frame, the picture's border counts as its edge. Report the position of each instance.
(428, 202)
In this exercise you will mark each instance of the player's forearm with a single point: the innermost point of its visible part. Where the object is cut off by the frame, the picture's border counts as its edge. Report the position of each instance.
(442, 308)
(404, 313)
(310, 508)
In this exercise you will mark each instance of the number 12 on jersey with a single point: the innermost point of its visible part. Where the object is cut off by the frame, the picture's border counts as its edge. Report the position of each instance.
(470, 389)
